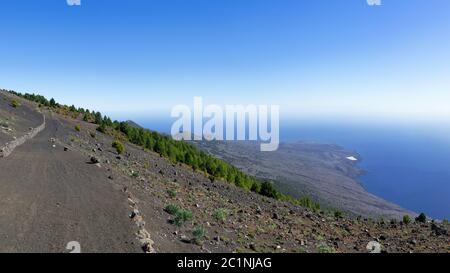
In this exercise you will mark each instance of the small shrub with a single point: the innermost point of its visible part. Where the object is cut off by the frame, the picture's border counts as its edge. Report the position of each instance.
(338, 214)
(422, 218)
(134, 174)
(181, 217)
(118, 146)
(101, 129)
(14, 104)
(406, 219)
(445, 222)
(220, 215)
(324, 248)
(172, 193)
(267, 189)
(198, 234)
(172, 209)
(77, 128)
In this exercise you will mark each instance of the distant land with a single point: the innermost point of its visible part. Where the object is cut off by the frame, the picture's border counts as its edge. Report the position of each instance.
(326, 172)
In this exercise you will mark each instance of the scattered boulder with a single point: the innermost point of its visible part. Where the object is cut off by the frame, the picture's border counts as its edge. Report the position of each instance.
(438, 231)
(94, 160)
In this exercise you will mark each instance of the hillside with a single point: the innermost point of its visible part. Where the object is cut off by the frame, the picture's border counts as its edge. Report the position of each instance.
(321, 171)
(69, 184)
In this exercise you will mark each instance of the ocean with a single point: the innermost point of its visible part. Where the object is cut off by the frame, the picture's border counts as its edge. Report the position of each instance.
(408, 164)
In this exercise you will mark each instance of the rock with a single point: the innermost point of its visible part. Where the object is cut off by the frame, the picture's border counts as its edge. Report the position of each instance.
(134, 213)
(185, 239)
(382, 238)
(66, 149)
(118, 157)
(258, 210)
(110, 177)
(275, 216)
(148, 248)
(438, 231)
(94, 160)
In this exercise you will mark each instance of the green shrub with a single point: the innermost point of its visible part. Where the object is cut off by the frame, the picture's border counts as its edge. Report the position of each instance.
(198, 234)
(406, 219)
(220, 215)
(181, 217)
(102, 129)
(324, 248)
(172, 209)
(77, 128)
(422, 218)
(267, 189)
(338, 214)
(172, 193)
(14, 104)
(118, 146)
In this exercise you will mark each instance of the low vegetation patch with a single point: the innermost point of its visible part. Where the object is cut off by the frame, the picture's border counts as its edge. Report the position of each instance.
(422, 218)
(172, 193)
(120, 149)
(172, 209)
(406, 219)
(181, 217)
(14, 104)
(220, 215)
(198, 233)
(77, 128)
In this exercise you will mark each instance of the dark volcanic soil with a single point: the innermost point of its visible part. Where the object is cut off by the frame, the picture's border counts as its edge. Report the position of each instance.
(52, 195)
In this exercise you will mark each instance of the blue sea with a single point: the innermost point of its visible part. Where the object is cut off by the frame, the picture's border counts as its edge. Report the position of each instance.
(408, 164)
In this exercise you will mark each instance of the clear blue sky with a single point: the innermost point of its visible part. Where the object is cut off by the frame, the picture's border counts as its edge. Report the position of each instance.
(314, 57)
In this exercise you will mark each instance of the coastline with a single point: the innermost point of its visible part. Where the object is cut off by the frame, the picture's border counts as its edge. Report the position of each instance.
(321, 171)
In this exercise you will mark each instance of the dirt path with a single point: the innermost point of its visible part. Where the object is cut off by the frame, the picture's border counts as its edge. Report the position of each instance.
(49, 197)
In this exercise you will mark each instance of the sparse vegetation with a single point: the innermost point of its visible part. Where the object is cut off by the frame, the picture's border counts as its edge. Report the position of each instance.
(406, 219)
(77, 128)
(172, 193)
(198, 233)
(338, 214)
(172, 209)
(267, 189)
(324, 248)
(14, 104)
(120, 149)
(220, 215)
(181, 217)
(422, 218)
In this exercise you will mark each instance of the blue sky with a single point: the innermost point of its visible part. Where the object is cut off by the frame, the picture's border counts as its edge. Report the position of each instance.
(312, 57)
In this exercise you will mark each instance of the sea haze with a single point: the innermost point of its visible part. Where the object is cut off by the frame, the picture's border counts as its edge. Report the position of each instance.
(405, 164)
